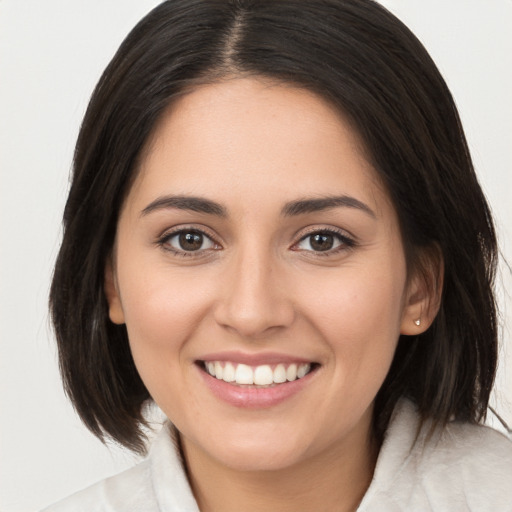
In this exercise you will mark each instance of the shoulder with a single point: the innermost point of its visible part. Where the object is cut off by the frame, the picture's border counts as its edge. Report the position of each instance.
(459, 467)
(126, 491)
(472, 445)
(157, 483)
(473, 461)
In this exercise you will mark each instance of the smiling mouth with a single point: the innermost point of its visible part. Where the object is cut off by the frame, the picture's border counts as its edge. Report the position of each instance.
(256, 376)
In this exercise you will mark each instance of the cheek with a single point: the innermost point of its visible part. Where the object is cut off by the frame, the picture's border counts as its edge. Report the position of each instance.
(162, 312)
(359, 315)
(359, 301)
(162, 309)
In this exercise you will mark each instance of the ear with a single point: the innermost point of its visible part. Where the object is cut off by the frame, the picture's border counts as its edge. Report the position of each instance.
(115, 308)
(424, 293)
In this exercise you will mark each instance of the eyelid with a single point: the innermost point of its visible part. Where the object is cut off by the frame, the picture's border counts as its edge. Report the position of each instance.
(348, 241)
(169, 233)
(200, 228)
(322, 228)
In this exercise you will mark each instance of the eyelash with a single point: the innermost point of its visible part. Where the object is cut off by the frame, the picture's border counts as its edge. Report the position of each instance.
(164, 240)
(345, 242)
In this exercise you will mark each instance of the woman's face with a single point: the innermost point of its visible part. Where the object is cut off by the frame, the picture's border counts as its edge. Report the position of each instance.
(257, 244)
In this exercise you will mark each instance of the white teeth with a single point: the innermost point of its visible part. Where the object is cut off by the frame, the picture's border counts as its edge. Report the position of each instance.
(291, 372)
(262, 375)
(244, 374)
(302, 370)
(280, 374)
(218, 370)
(229, 373)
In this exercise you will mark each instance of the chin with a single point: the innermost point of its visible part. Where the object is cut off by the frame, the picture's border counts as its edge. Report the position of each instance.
(255, 451)
(252, 459)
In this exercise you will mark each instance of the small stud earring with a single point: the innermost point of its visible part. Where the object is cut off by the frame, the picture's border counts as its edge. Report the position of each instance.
(417, 322)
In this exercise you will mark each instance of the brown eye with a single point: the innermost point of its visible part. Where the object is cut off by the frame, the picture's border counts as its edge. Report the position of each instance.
(324, 241)
(188, 241)
(321, 242)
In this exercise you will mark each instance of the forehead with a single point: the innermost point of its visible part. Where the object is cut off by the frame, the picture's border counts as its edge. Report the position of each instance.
(255, 139)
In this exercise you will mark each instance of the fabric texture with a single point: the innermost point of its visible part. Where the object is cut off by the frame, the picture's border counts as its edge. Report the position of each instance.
(456, 469)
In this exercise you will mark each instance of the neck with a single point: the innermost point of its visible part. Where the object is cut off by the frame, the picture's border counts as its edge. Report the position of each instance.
(335, 480)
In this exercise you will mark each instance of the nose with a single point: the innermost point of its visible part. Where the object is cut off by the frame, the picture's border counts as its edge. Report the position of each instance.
(255, 300)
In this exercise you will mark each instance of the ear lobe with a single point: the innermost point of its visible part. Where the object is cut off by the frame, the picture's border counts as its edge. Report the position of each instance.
(424, 294)
(115, 309)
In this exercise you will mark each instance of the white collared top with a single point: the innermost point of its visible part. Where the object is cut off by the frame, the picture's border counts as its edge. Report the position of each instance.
(457, 469)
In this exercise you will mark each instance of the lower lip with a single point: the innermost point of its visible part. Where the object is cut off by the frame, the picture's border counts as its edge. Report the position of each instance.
(254, 397)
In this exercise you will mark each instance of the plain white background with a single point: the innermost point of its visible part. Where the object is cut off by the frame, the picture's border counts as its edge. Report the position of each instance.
(51, 55)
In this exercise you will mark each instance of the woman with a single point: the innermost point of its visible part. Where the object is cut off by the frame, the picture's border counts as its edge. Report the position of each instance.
(275, 232)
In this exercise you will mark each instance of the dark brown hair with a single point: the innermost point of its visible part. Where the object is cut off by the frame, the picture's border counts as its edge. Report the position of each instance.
(359, 57)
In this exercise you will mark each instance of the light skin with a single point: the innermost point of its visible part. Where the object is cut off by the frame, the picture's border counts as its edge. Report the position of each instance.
(255, 170)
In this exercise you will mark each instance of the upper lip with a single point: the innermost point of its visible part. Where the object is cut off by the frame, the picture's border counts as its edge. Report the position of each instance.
(255, 359)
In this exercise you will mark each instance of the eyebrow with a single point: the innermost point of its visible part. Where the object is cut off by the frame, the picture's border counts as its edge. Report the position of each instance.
(293, 208)
(195, 204)
(312, 205)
